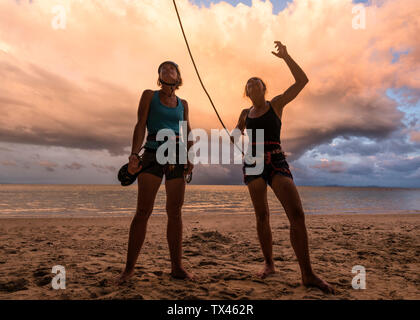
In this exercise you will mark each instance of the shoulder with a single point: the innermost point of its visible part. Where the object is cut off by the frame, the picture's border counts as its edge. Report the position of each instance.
(243, 115)
(278, 101)
(245, 112)
(146, 99)
(277, 107)
(144, 104)
(184, 103)
(148, 93)
(277, 104)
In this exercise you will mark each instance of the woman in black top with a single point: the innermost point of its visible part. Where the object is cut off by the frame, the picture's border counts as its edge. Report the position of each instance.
(267, 115)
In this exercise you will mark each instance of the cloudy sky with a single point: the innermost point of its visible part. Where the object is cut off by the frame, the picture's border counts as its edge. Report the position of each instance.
(72, 72)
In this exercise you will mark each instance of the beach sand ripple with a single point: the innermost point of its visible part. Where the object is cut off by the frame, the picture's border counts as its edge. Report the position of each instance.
(221, 250)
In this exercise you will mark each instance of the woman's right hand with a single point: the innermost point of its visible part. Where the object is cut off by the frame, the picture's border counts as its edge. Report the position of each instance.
(133, 164)
(281, 50)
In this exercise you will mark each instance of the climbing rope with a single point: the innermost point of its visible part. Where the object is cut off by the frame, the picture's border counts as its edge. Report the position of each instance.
(201, 82)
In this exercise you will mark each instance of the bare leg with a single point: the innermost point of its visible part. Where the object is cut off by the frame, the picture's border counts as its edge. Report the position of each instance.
(286, 192)
(148, 186)
(175, 190)
(258, 191)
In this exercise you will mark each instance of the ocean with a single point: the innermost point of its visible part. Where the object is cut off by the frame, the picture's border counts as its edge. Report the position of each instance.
(39, 200)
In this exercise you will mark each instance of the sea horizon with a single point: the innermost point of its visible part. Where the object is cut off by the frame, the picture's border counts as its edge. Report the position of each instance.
(106, 200)
(192, 184)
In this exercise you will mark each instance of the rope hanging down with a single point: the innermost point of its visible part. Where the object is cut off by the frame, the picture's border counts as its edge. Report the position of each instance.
(199, 78)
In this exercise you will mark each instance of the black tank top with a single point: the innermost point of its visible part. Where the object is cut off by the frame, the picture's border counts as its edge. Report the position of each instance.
(271, 124)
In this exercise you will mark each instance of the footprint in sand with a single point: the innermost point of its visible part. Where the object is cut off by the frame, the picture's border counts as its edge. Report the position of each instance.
(239, 276)
(192, 253)
(44, 281)
(42, 277)
(14, 285)
(104, 283)
(207, 263)
(258, 259)
(230, 294)
(210, 236)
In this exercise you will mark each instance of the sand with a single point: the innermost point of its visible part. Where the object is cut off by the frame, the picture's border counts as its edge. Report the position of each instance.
(221, 250)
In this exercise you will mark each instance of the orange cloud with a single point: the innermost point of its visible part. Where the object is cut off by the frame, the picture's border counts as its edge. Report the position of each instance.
(79, 87)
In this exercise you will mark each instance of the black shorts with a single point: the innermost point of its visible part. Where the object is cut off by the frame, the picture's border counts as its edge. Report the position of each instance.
(273, 164)
(171, 171)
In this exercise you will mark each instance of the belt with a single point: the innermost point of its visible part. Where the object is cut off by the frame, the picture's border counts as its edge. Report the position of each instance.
(267, 155)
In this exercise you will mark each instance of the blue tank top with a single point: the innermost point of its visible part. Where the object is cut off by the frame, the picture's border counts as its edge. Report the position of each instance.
(163, 117)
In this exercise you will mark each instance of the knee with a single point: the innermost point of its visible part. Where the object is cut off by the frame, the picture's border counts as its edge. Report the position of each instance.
(174, 206)
(262, 216)
(142, 215)
(174, 217)
(174, 211)
(297, 218)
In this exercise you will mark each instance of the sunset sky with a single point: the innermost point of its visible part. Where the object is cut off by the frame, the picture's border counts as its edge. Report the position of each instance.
(69, 97)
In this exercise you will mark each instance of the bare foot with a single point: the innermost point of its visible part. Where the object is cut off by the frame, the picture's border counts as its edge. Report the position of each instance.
(124, 276)
(315, 281)
(268, 269)
(181, 273)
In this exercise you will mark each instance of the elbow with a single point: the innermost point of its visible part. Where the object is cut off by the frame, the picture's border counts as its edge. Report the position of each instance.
(302, 82)
(237, 132)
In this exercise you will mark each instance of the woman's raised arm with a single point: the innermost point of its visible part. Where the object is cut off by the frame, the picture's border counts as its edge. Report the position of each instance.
(301, 79)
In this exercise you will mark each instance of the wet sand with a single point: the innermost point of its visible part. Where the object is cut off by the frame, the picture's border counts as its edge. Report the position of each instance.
(221, 250)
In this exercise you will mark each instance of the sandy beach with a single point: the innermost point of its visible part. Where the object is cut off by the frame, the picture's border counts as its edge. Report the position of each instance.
(221, 250)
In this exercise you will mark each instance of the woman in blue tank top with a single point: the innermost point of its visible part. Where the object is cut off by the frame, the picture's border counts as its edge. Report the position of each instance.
(276, 173)
(158, 110)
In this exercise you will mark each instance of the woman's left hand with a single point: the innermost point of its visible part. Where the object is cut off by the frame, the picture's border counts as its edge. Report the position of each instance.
(188, 168)
(281, 50)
